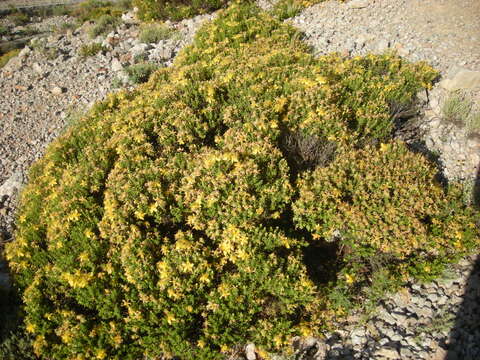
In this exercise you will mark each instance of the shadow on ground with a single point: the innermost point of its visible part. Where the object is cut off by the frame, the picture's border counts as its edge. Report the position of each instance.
(465, 335)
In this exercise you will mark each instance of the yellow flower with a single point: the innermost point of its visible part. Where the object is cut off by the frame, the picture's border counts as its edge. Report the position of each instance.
(101, 354)
(30, 327)
(383, 147)
(349, 279)
(204, 278)
(170, 318)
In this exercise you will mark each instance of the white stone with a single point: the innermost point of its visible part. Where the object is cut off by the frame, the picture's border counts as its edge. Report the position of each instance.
(358, 4)
(250, 352)
(56, 90)
(116, 65)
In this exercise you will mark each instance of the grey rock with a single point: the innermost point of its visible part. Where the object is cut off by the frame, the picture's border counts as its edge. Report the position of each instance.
(309, 348)
(464, 79)
(138, 49)
(12, 185)
(387, 353)
(37, 68)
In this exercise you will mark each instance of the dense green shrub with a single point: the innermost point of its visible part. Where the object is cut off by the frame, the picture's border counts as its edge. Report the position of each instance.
(175, 9)
(174, 219)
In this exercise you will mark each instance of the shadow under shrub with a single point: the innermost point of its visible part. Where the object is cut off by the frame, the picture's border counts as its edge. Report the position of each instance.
(160, 223)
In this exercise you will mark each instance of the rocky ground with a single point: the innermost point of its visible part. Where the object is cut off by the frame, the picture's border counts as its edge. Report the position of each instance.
(42, 90)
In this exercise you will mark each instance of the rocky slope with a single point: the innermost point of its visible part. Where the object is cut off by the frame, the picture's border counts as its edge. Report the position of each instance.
(44, 89)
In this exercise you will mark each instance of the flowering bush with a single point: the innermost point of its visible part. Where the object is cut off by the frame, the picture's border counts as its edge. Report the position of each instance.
(174, 219)
(175, 9)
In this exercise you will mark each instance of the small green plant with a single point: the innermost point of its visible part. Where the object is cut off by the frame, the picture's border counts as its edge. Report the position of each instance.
(140, 73)
(5, 58)
(67, 26)
(41, 46)
(103, 25)
(60, 10)
(19, 18)
(473, 123)
(3, 30)
(92, 49)
(285, 9)
(117, 83)
(153, 33)
(456, 109)
(459, 109)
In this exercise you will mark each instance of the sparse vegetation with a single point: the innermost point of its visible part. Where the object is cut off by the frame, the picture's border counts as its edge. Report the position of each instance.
(3, 30)
(40, 45)
(67, 26)
(459, 109)
(5, 58)
(91, 49)
(153, 33)
(139, 73)
(103, 25)
(19, 18)
(284, 9)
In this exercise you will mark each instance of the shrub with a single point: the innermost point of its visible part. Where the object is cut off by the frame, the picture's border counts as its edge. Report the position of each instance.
(103, 25)
(19, 18)
(161, 223)
(3, 30)
(176, 9)
(91, 49)
(93, 10)
(153, 33)
(139, 73)
(359, 202)
(67, 26)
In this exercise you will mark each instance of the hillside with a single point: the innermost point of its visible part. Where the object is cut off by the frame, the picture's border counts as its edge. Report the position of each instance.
(50, 84)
